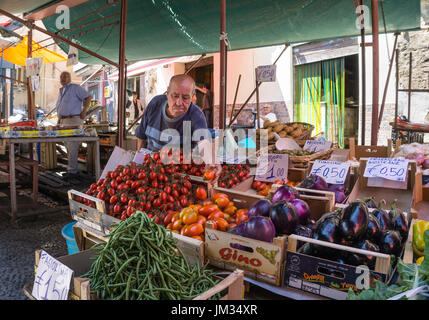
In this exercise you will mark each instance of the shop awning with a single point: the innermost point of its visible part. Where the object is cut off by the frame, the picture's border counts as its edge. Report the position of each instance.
(160, 29)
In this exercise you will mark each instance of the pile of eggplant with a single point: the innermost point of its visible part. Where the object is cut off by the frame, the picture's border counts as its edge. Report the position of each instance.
(285, 214)
(318, 183)
(355, 226)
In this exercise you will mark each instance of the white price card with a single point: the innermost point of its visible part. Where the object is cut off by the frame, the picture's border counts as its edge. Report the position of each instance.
(333, 172)
(266, 73)
(139, 157)
(317, 145)
(52, 280)
(394, 169)
(272, 167)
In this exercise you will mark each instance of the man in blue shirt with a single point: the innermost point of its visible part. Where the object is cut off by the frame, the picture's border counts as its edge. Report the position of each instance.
(172, 116)
(72, 104)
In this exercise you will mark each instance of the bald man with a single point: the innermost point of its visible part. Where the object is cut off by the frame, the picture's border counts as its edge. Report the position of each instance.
(170, 111)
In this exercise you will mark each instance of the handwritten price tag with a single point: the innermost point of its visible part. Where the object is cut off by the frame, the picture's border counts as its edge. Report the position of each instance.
(266, 73)
(139, 157)
(317, 145)
(52, 280)
(272, 167)
(332, 171)
(394, 169)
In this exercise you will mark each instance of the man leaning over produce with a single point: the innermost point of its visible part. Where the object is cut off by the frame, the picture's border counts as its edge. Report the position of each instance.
(170, 111)
(72, 104)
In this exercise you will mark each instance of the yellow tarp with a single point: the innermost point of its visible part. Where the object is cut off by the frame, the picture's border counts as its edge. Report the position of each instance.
(18, 54)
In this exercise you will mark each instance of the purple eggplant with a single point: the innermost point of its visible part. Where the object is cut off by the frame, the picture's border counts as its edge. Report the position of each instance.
(260, 208)
(399, 221)
(337, 188)
(260, 228)
(284, 217)
(303, 231)
(302, 209)
(373, 232)
(314, 182)
(383, 219)
(391, 243)
(327, 229)
(340, 197)
(285, 193)
(368, 246)
(353, 221)
(370, 203)
(239, 230)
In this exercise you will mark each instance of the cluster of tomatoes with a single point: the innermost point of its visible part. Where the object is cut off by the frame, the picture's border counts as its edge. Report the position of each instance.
(233, 174)
(220, 211)
(263, 188)
(152, 187)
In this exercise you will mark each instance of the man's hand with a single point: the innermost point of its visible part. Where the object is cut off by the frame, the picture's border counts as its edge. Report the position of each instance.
(83, 114)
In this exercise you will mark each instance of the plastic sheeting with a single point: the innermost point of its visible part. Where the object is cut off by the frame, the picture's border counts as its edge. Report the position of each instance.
(166, 28)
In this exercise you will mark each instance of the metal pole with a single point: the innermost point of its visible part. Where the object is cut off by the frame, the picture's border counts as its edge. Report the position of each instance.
(55, 36)
(409, 86)
(235, 99)
(375, 72)
(222, 88)
(380, 117)
(394, 138)
(122, 74)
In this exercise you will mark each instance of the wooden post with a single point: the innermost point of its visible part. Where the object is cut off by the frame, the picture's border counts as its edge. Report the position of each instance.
(257, 99)
(122, 74)
(235, 99)
(409, 86)
(223, 53)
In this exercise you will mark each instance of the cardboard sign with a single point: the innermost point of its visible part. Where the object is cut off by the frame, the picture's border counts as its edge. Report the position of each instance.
(119, 157)
(332, 171)
(32, 66)
(394, 169)
(266, 73)
(52, 280)
(272, 167)
(317, 145)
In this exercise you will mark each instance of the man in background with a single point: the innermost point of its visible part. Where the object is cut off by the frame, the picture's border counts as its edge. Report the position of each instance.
(266, 114)
(72, 104)
(207, 103)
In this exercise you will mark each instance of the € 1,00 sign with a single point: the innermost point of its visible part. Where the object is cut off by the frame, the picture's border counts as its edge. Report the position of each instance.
(272, 167)
(388, 168)
(52, 280)
(331, 171)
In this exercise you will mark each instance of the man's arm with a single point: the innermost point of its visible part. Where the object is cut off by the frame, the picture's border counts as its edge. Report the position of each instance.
(140, 144)
(86, 103)
(203, 90)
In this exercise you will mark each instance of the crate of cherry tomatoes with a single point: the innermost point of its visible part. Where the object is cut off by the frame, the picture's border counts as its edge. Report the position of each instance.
(152, 187)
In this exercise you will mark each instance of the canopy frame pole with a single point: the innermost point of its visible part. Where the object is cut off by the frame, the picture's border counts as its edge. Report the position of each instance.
(122, 74)
(30, 95)
(375, 72)
(55, 36)
(254, 90)
(392, 60)
(223, 54)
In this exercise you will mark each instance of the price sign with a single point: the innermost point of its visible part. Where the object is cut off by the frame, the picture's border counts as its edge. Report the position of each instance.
(317, 145)
(266, 73)
(52, 280)
(394, 169)
(139, 157)
(272, 167)
(331, 171)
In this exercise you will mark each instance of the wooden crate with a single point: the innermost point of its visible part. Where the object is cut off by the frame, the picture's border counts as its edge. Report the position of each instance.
(48, 155)
(80, 263)
(405, 197)
(409, 256)
(325, 277)
(358, 152)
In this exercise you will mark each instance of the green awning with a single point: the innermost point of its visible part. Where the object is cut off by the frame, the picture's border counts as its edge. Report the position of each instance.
(171, 28)
(22, 6)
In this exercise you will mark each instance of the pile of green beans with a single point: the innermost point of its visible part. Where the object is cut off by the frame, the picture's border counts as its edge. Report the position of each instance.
(141, 261)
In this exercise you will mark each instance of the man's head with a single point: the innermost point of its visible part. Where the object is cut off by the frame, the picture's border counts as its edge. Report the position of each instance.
(134, 94)
(266, 109)
(65, 78)
(179, 93)
(206, 85)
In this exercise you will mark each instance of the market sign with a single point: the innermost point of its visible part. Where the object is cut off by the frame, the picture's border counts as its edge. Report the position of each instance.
(317, 145)
(32, 66)
(394, 169)
(333, 172)
(52, 280)
(266, 73)
(272, 167)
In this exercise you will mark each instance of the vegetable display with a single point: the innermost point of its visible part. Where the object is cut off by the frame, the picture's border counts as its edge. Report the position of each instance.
(231, 175)
(419, 228)
(152, 187)
(318, 183)
(412, 276)
(141, 261)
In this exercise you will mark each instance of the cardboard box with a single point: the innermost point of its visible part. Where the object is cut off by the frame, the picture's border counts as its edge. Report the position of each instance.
(359, 152)
(404, 198)
(330, 278)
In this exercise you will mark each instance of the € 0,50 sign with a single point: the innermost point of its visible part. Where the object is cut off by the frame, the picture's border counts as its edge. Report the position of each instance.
(52, 280)
(266, 73)
(272, 167)
(331, 171)
(388, 168)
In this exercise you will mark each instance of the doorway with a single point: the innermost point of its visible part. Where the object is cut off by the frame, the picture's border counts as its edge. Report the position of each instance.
(203, 73)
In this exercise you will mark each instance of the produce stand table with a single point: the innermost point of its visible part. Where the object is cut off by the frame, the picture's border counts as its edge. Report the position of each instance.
(92, 141)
